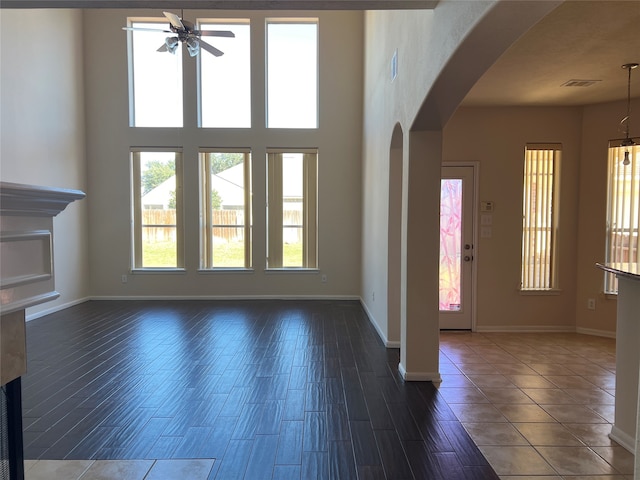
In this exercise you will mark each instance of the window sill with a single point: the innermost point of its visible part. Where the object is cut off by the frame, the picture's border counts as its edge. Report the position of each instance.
(288, 270)
(551, 291)
(155, 271)
(221, 270)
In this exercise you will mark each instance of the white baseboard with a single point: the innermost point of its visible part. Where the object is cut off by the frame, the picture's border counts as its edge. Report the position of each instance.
(226, 297)
(56, 308)
(387, 343)
(525, 329)
(544, 329)
(419, 376)
(624, 439)
(596, 333)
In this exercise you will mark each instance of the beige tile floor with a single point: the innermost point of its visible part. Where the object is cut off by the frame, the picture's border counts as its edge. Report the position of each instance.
(118, 469)
(539, 406)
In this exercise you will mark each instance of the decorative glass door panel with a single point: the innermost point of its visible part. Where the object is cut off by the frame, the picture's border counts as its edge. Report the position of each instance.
(456, 247)
(450, 244)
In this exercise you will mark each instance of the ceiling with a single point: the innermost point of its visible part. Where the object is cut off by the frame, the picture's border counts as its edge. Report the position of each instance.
(229, 4)
(580, 40)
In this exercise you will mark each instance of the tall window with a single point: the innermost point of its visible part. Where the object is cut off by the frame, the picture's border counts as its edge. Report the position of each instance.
(225, 81)
(292, 73)
(225, 197)
(623, 211)
(540, 216)
(157, 209)
(292, 209)
(155, 78)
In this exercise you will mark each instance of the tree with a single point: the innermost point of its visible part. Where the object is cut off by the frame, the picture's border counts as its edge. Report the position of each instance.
(155, 173)
(221, 161)
(216, 200)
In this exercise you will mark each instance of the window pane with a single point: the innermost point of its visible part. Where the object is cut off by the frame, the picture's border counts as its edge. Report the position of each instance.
(158, 222)
(156, 90)
(292, 204)
(225, 81)
(292, 75)
(450, 244)
(292, 210)
(623, 212)
(538, 218)
(227, 212)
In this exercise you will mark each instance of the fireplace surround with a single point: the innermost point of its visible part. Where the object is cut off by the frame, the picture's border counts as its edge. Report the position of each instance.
(26, 279)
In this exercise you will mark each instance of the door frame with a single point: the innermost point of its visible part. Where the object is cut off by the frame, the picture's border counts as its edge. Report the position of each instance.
(475, 165)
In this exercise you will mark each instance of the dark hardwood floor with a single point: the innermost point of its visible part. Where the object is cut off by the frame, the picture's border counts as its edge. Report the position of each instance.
(270, 389)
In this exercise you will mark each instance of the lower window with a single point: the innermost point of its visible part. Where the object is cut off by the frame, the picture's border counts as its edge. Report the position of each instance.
(156, 210)
(225, 209)
(292, 231)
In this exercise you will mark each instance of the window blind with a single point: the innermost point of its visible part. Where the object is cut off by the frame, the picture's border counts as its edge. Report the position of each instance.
(623, 211)
(539, 216)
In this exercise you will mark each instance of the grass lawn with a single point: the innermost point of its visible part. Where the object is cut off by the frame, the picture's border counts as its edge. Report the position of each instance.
(163, 254)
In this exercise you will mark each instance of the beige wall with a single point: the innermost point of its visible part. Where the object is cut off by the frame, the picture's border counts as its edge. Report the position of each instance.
(495, 138)
(42, 129)
(600, 123)
(338, 141)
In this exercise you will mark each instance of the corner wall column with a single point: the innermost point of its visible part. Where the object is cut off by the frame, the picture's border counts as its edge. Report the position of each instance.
(420, 330)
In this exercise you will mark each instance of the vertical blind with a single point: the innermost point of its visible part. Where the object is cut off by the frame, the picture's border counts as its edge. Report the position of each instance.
(539, 216)
(623, 212)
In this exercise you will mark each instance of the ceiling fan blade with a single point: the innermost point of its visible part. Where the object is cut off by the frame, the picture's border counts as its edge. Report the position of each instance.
(211, 49)
(174, 20)
(163, 48)
(141, 29)
(215, 33)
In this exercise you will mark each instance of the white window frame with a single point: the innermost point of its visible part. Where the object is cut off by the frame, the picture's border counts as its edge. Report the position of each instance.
(207, 245)
(623, 211)
(161, 25)
(230, 48)
(292, 21)
(136, 210)
(540, 214)
(275, 223)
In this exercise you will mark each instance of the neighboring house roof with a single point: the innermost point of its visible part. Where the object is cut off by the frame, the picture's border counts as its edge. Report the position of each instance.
(228, 184)
(161, 195)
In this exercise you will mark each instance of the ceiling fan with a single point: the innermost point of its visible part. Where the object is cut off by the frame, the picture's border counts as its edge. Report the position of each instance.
(187, 34)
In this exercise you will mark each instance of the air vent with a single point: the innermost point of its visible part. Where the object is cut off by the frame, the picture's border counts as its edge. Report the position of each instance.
(580, 83)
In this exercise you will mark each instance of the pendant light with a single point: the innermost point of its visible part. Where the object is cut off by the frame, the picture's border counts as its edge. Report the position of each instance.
(628, 141)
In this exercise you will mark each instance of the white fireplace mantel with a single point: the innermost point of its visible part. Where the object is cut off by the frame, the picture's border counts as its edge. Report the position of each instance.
(26, 243)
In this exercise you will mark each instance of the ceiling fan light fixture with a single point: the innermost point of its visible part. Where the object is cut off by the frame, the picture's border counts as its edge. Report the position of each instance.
(172, 44)
(193, 46)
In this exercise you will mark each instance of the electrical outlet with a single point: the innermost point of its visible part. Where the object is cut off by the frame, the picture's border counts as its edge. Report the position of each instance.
(323, 279)
(124, 279)
(591, 304)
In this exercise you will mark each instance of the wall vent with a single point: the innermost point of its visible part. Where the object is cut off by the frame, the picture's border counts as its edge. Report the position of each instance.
(580, 83)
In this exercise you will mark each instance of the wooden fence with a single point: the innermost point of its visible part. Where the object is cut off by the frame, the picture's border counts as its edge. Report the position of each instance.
(160, 225)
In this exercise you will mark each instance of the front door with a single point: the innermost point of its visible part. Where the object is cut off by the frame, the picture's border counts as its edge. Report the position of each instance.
(456, 247)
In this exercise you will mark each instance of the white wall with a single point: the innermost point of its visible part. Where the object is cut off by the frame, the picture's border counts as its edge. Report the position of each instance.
(338, 141)
(441, 53)
(42, 128)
